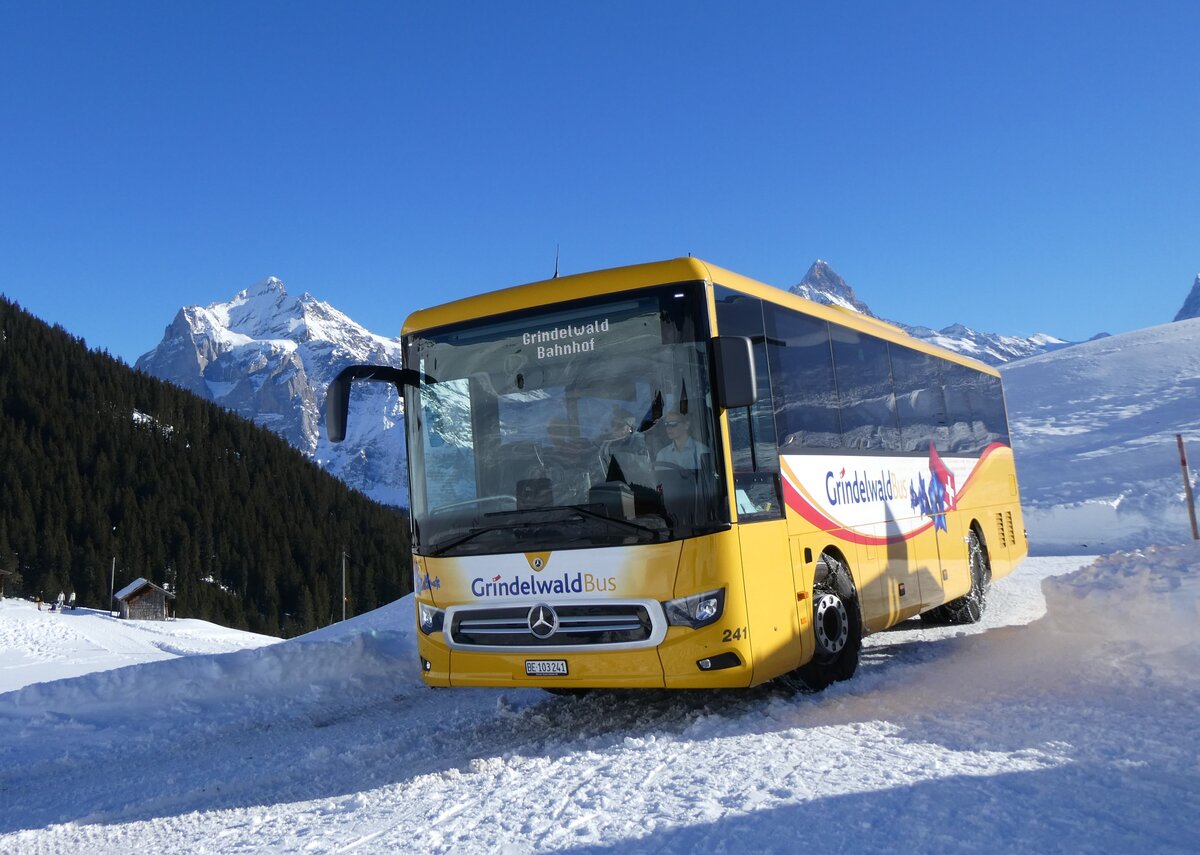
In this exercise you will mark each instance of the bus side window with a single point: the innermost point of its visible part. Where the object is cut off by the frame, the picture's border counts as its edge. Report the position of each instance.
(987, 402)
(752, 441)
(801, 361)
(966, 435)
(864, 384)
(920, 401)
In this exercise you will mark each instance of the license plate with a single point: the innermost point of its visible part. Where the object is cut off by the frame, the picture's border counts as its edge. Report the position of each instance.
(545, 667)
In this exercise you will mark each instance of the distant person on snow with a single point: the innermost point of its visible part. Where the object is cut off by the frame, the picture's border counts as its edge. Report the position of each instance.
(71, 601)
(62, 598)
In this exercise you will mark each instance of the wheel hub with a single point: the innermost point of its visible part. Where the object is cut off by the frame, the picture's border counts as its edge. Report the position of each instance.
(831, 624)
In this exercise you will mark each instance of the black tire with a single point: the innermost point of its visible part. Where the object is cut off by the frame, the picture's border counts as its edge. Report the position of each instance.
(970, 606)
(837, 627)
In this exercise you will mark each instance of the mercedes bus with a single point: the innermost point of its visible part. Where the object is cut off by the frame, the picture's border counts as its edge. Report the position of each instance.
(670, 475)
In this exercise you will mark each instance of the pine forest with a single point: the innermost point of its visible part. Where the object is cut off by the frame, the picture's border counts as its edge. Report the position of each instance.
(101, 462)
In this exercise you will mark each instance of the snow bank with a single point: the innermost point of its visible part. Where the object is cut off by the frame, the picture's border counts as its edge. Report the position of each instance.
(1137, 612)
(343, 659)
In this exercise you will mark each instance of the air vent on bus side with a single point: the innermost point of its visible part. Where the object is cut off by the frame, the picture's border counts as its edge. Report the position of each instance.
(1004, 527)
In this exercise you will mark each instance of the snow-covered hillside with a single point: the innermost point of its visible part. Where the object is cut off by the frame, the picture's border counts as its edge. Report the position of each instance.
(1065, 722)
(1093, 430)
(37, 645)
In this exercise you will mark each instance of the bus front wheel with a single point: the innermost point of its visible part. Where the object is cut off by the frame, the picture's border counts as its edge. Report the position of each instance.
(837, 627)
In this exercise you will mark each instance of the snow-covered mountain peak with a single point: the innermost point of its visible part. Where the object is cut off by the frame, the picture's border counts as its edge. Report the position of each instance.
(1191, 306)
(822, 285)
(270, 285)
(259, 311)
(270, 356)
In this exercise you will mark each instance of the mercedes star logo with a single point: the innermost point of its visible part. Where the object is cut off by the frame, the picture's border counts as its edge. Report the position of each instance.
(543, 621)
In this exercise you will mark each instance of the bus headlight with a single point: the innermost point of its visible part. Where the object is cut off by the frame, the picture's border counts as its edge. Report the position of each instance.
(697, 610)
(429, 618)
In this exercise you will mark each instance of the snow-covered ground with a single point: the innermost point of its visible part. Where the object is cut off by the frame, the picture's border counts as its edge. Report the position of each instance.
(1065, 721)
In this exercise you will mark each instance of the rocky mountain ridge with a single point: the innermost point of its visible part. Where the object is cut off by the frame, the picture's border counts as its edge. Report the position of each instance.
(822, 285)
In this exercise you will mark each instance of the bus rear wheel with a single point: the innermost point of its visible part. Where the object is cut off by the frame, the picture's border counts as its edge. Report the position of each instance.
(837, 627)
(970, 606)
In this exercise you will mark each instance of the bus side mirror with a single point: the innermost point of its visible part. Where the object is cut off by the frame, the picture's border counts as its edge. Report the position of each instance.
(737, 384)
(337, 408)
(337, 397)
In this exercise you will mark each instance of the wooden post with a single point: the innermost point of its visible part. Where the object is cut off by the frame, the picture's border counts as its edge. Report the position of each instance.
(1187, 486)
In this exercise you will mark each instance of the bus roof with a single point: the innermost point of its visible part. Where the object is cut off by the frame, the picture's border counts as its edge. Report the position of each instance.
(548, 291)
(599, 282)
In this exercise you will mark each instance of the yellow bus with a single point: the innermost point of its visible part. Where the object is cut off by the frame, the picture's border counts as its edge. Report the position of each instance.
(669, 475)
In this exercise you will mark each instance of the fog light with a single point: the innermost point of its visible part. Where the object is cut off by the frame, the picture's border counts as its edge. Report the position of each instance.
(719, 662)
(426, 665)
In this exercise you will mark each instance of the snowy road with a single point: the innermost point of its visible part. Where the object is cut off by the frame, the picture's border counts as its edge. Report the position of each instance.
(1029, 732)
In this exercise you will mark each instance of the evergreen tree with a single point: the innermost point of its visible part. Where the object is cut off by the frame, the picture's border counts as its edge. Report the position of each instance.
(98, 460)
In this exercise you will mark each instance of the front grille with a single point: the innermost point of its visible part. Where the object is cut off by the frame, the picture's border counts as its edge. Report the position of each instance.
(508, 626)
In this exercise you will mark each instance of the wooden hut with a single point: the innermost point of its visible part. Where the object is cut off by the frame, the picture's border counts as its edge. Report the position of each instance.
(143, 600)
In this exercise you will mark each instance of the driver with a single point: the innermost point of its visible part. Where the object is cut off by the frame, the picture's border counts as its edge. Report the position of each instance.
(682, 450)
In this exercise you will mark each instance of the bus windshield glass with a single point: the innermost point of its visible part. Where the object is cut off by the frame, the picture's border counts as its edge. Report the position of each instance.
(582, 424)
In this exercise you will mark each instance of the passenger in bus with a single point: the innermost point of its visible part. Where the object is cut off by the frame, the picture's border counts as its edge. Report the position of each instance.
(681, 450)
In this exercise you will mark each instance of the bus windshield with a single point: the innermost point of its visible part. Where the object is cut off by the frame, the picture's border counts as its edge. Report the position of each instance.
(583, 424)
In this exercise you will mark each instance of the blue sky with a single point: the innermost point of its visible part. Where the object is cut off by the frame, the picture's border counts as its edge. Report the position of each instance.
(1014, 167)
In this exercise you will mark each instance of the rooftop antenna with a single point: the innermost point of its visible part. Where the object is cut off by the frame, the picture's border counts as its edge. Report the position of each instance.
(556, 261)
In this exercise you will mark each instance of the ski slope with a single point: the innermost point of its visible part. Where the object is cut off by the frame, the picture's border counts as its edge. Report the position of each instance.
(1065, 721)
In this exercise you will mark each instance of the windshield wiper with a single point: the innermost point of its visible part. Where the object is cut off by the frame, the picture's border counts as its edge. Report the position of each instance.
(441, 549)
(582, 510)
(527, 517)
